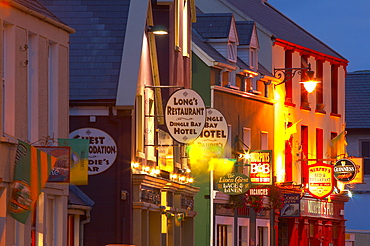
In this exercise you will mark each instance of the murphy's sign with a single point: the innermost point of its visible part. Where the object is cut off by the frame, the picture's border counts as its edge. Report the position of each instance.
(234, 184)
(185, 115)
(345, 170)
(320, 180)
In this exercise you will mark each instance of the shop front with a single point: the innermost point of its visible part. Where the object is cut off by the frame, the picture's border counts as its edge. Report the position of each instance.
(320, 222)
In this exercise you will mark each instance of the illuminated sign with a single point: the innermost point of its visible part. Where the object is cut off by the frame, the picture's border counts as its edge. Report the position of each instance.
(102, 149)
(234, 184)
(359, 178)
(320, 180)
(185, 115)
(345, 170)
(261, 167)
(215, 131)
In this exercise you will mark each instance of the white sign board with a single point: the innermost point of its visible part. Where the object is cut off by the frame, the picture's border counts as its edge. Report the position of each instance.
(102, 149)
(215, 131)
(185, 115)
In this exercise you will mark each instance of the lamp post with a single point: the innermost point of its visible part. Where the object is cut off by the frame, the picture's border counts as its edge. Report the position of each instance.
(288, 73)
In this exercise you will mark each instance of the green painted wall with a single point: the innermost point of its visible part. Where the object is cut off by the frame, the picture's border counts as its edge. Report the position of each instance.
(201, 79)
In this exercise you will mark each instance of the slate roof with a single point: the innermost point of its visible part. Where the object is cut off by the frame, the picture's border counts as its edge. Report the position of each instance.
(38, 7)
(280, 25)
(245, 30)
(213, 25)
(358, 99)
(96, 47)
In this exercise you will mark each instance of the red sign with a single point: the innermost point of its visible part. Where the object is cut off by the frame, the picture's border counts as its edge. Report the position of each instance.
(261, 167)
(320, 180)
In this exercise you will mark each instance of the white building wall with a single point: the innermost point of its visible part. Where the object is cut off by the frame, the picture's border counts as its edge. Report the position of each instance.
(25, 36)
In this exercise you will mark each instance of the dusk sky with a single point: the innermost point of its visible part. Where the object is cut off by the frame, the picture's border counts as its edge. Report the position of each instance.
(344, 25)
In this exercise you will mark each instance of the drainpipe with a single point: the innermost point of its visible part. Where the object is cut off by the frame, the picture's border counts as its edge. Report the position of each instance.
(82, 223)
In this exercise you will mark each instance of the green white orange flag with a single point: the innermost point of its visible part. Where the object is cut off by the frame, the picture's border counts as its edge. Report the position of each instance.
(32, 169)
(79, 159)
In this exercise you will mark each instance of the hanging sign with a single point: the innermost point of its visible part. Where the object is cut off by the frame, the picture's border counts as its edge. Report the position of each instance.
(320, 180)
(102, 149)
(215, 131)
(359, 178)
(260, 167)
(234, 184)
(291, 206)
(185, 115)
(345, 170)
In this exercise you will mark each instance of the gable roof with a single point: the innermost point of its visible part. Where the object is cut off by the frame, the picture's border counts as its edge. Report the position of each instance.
(358, 90)
(245, 31)
(278, 24)
(96, 47)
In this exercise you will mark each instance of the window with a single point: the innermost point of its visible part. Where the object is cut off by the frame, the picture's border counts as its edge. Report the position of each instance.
(289, 157)
(264, 140)
(333, 149)
(243, 236)
(262, 236)
(228, 150)
(253, 58)
(304, 93)
(319, 143)
(149, 124)
(53, 88)
(288, 76)
(140, 126)
(304, 154)
(222, 235)
(365, 153)
(247, 138)
(33, 87)
(320, 86)
(231, 51)
(334, 89)
(8, 120)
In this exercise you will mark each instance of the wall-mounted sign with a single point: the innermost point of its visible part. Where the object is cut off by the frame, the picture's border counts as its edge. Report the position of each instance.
(261, 167)
(185, 115)
(102, 149)
(234, 183)
(321, 208)
(291, 206)
(345, 170)
(215, 131)
(320, 180)
(259, 191)
(359, 178)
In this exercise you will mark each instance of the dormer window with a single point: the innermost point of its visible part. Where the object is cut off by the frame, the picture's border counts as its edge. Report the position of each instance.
(231, 51)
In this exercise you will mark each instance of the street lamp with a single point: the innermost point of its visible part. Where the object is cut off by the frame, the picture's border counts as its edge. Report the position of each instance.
(288, 73)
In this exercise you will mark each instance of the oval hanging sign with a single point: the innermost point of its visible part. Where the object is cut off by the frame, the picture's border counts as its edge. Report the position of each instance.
(320, 180)
(102, 149)
(345, 170)
(215, 131)
(234, 184)
(185, 115)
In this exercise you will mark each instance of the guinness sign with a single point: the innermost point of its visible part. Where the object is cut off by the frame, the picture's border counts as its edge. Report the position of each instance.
(345, 170)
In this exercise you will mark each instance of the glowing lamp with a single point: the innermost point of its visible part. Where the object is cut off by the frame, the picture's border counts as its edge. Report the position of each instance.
(311, 83)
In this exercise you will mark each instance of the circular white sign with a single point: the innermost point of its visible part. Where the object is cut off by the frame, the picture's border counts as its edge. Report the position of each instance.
(215, 131)
(102, 149)
(185, 115)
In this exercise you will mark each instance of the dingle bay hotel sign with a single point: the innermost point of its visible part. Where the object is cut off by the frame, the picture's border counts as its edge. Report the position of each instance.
(185, 115)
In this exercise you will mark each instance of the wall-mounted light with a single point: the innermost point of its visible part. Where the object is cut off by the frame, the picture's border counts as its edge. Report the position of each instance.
(157, 29)
(288, 73)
